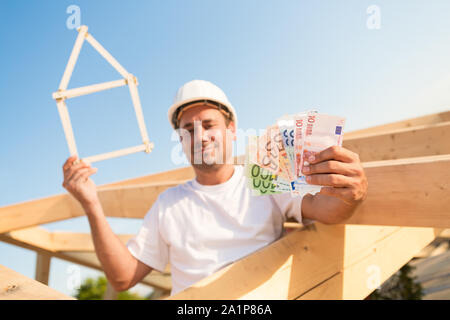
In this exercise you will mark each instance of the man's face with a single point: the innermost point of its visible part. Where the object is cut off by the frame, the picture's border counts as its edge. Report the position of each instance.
(206, 139)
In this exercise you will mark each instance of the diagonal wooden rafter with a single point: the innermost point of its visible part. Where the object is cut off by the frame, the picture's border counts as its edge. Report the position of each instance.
(59, 207)
(416, 195)
(418, 121)
(407, 192)
(15, 286)
(307, 259)
(387, 255)
(56, 244)
(418, 141)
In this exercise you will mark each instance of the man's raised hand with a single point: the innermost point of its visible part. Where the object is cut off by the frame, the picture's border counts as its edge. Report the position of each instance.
(77, 181)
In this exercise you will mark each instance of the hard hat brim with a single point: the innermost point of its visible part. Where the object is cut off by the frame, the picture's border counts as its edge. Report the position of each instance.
(173, 108)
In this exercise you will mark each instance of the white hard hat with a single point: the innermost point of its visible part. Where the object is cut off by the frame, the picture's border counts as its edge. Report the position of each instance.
(200, 90)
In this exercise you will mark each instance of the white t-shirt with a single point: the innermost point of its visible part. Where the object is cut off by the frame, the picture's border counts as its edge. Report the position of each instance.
(200, 229)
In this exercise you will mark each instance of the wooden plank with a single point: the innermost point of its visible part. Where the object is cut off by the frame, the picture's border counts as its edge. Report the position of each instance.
(313, 264)
(72, 241)
(179, 174)
(423, 120)
(36, 212)
(374, 266)
(41, 241)
(283, 270)
(30, 238)
(15, 286)
(132, 201)
(407, 192)
(126, 202)
(42, 268)
(418, 141)
(416, 195)
(290, 266)
(445, 234)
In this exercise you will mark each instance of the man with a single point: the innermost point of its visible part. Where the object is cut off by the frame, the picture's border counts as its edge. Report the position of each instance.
(213, 220)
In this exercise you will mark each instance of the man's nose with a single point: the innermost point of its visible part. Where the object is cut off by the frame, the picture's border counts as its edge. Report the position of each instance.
(202, 135)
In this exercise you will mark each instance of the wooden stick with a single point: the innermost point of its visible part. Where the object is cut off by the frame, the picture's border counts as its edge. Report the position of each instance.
(137, 107)
(115, 154)
(97, 46)
(67, 126)
(73, 58)
(76, 92)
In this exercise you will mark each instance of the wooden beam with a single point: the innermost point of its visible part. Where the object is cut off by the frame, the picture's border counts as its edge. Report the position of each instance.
(42, 268)
(416, 195)
(407, 192)
(30, 238)
(329, 261)
(63, 206)
(72, 241)
(418, 141)
(283, 270)
(36, 212)
(445, 234)
(126, 202)
(423, 120)
(374, 266)
(15, 286)
(43, 242)
(290, 266)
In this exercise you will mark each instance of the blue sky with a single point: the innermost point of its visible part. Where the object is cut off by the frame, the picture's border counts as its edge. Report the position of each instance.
(270, 57)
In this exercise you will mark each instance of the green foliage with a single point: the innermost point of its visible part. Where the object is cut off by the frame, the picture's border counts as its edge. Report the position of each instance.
(94, 289)
(401, 286)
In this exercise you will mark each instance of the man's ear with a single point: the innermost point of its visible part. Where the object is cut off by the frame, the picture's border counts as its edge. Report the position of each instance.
(232, 130)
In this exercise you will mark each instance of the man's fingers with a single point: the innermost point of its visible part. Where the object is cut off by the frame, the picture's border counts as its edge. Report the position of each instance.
(332, 180)
(69, 162)
(333, 153)
(74, 168)
(345, 194)
(330, 166)
(341, 193)
(80, 173)
(85, 175)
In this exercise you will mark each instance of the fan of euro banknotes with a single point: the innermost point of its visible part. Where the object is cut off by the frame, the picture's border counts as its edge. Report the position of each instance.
(274, 160)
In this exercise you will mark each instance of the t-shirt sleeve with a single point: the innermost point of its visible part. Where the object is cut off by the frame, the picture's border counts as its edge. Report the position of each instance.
(147, 245)
(290, 207)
